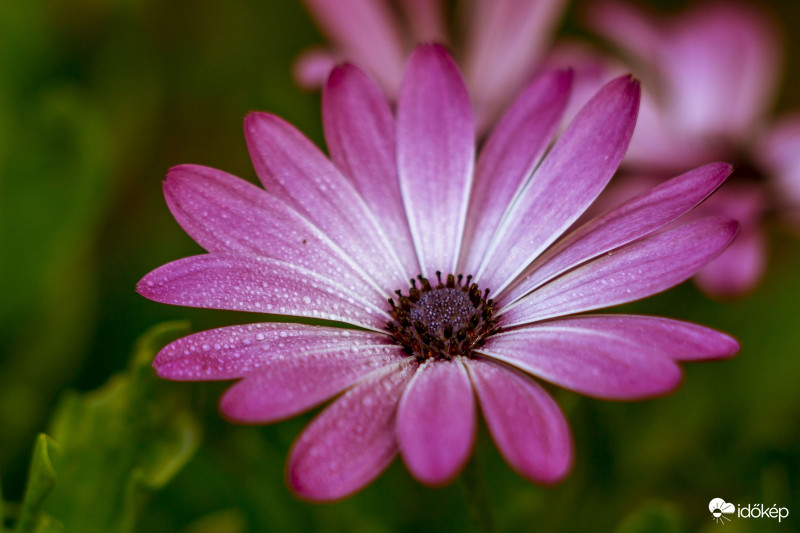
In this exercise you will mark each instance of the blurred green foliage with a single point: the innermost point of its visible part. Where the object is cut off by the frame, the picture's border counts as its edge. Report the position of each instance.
(109, 448)
(57, 182)
(98, 98)
(41, 482)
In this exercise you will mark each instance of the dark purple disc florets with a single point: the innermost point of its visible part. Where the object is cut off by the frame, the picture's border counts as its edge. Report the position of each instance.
(443, 321)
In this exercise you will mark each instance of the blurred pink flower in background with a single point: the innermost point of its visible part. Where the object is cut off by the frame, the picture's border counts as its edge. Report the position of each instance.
(710, 77)
(498, 45)
(778, 154)
(713, 72)
(402, 199)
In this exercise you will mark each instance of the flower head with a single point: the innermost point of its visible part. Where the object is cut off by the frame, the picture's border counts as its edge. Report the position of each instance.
(713, 71)
(710, 74)
(499, 45)
(463, 279)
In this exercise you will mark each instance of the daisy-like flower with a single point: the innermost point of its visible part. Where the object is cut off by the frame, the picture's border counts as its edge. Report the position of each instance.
(459, 276)
(711, 74)
(499, 43)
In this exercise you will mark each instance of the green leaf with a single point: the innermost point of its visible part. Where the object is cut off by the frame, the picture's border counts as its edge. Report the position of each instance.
(120, 442)
(41, 482)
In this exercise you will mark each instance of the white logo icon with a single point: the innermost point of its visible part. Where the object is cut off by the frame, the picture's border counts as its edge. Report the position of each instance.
(719, 508)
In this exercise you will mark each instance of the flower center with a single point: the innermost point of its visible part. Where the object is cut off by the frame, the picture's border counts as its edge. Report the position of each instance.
(443, 321)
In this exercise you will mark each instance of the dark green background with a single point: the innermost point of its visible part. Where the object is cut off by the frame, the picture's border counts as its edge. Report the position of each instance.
(98, 98)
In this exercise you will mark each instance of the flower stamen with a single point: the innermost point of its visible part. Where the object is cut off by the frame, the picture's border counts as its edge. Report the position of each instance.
(443, 321)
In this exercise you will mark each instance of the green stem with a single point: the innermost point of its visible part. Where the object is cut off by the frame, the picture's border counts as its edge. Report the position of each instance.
(477, 499)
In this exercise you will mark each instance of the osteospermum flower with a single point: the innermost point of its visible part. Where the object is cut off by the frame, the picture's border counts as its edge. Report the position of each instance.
(714, 70)
(711, 74)
(458, 276)
(499, 43)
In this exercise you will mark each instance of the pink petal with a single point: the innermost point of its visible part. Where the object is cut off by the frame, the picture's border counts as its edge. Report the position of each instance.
(366, 33)
(741, 266)
(721, 66)
(435, 149)
(718, 66)
(359, 129)
(635, 271)
(591, 68)
(738, 269)
(618, 357)
(246, 283)
(436, 421)
(665, 337)
(505, 40)
(660, 146)
(312, 67)
(630, 221)
(779, 152)
(627, 27)
(238, 351)
(513, 150)
(568, 180)
(352, 441)
(295, 171)
(525, 423)
(426, 18)
(300, 381)
(225, 214)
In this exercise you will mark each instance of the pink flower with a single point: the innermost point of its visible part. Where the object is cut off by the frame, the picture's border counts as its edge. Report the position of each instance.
(710, 76)
(777, 154)
(713, 72)
(500, 45)
(403, 199)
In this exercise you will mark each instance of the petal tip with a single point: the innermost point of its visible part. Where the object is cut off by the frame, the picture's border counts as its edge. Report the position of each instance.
(730, 347)
(728, 226)
(165, 368)
(432, 52)
(145, 287)
(557, 475)
(435, 480)
(227, 406)
(307, 491)
(437, 476)
(314, 489)
(628, 86)
(339, 73)
(566, 75)
(633, 85)
(726, 168)
(554, 472)
(733, 227)
(719, 169)
(253, 119)
(159, 363)
(237, 410)
(343, 76)
(175, 177)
